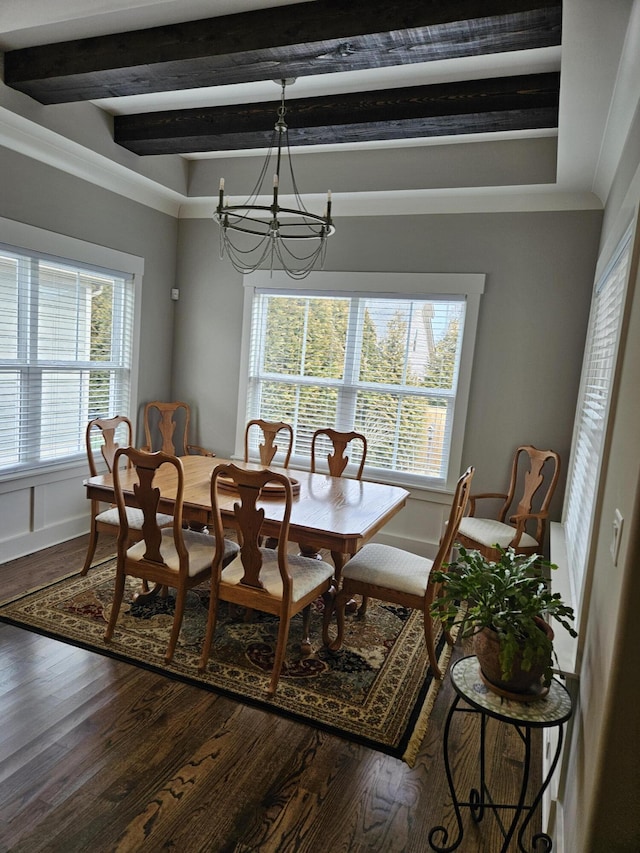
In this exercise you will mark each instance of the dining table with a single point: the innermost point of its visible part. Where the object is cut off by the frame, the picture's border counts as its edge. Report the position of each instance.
(338, 514)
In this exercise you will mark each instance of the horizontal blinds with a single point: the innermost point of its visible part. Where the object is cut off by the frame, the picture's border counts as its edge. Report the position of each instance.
(384, 366)
(65, 354)
(593, 407)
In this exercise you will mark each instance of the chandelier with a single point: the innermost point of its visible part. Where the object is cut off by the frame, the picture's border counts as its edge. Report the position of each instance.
(254, 235)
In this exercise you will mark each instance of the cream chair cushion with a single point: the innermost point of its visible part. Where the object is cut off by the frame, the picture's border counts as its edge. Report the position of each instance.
(393, 568)
(200, 546)
(306, 573)
(135, 517)
(488, 532)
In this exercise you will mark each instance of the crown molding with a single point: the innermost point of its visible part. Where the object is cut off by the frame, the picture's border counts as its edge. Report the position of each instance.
(33, 140)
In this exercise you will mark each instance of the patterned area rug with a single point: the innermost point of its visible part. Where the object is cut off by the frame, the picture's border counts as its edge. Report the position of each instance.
(377, 690)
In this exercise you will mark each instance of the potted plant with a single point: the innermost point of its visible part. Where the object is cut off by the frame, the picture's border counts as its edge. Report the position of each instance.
(508, 603)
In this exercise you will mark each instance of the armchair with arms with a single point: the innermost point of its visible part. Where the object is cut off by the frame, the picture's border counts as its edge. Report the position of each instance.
(534, 475)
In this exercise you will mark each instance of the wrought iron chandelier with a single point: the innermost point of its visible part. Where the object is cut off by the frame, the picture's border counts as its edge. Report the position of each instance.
(254, 235)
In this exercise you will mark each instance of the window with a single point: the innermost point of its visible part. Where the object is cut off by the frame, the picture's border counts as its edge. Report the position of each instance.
(386, 365)
(598, 375)
(66, 333)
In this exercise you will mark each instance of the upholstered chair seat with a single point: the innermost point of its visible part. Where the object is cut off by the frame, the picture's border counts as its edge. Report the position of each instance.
(135, 517)
(489, 532)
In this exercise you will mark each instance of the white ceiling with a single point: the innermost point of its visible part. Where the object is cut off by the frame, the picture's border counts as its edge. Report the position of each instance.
(598, 95)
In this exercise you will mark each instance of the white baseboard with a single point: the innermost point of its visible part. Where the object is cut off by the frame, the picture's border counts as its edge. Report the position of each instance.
(20, 546)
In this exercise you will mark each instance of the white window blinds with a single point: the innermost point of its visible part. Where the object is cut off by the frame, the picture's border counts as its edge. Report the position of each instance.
(592, 411)
(385, 366)
(65, 354)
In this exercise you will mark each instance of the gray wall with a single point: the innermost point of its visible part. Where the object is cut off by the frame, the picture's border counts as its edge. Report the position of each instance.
(532, 324)
(45, 197)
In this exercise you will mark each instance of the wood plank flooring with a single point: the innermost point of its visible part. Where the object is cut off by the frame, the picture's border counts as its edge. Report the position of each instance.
(97, 755)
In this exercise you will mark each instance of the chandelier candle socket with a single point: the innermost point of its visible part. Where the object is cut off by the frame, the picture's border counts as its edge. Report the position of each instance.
(254, 235)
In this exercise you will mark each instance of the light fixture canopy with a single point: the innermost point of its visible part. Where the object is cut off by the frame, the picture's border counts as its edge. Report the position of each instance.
(254, 235)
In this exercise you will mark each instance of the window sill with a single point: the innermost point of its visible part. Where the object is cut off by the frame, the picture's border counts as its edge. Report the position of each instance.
(565, 646)
(47, 473)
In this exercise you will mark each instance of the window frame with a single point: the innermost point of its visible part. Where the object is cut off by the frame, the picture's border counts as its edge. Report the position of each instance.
(22, 238)
(469, 286)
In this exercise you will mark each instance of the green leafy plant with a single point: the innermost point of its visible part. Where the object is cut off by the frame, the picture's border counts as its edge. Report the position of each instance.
(507, 596)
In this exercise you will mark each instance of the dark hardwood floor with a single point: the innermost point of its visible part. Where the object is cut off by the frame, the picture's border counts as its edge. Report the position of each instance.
(97, 755)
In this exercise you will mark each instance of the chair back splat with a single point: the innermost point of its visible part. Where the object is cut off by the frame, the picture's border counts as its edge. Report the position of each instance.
(166, 428)
(401, 577)
(521, 525)
(268, 448)
(337, 460)
(266, 579)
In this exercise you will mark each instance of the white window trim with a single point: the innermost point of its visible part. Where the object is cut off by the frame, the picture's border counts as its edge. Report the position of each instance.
(32, 239)
(471, 285)
(577, 581)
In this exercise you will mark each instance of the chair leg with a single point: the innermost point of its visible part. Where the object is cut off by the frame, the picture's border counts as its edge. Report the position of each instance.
(363, 606)
(329, 598)
(211, 629)
(431, 646)
(91, 550)
(181, 597)
(305, 645)
(340, 602)
(281, 647)
(115, 607)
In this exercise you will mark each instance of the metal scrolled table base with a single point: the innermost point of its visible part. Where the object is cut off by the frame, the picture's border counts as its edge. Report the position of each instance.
(480, 798)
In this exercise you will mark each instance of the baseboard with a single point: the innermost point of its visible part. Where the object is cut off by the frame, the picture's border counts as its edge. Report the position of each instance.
(45, 537)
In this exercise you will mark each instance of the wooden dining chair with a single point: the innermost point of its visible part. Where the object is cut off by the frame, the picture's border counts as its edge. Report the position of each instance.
(265, 579)
(337, 459)
(166, 428)
(103, 437)
(168, 557)
(534, 477)
(335, 445)
(391, 574)
(268, 448)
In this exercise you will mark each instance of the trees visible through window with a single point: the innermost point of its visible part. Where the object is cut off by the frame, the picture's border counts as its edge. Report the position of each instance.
(385, 366)
(65, 355)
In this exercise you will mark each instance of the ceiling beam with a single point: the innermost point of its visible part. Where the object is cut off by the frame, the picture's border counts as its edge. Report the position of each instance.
(280, 42)
(506, 103)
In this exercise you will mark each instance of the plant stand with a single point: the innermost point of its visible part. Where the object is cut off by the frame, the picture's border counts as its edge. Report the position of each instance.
(553, 710)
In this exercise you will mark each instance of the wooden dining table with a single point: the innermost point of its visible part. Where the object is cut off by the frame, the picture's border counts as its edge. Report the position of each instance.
(338, 514)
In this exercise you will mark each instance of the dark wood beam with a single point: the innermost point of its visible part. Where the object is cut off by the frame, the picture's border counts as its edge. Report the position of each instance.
(508, 103)
(280, 42)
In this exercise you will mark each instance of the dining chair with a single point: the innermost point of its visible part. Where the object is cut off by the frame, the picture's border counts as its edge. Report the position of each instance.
(335, 445)
(104, 436)
(337, 459)
(268, 449)
(166, 428)
(266, 579)
(168, 557)
(522, 528)
(400, 577)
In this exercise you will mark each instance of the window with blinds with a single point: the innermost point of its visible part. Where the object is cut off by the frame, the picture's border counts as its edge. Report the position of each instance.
(601, 349)
(386, 366)
(65, 355)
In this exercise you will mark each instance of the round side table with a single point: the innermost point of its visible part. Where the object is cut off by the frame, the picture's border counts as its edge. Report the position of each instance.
(552, 710)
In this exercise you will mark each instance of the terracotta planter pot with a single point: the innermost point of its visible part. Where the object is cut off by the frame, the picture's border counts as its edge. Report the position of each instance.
(523, 685)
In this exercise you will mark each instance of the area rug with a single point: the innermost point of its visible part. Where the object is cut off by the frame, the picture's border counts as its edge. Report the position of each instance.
(378, 690)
